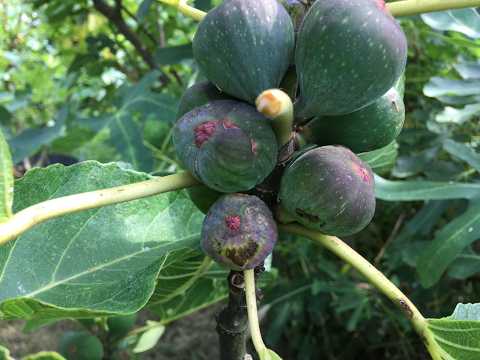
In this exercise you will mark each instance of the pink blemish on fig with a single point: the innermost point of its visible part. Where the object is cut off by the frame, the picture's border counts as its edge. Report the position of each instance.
(363, 173)
(228, 124)
(204, 131)
(233, 222)
(254, 146)
(381, 4)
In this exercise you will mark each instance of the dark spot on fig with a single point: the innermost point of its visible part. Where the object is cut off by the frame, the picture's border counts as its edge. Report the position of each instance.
(405, 308)
(241, 255)
(309, 217)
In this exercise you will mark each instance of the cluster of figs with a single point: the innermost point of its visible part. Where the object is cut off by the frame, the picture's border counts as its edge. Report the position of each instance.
(342, 63)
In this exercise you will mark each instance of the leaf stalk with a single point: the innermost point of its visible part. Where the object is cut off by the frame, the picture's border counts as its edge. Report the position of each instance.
(376, 278)
(41, 212)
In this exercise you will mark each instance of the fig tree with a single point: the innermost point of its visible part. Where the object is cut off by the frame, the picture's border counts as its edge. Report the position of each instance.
(239, 231)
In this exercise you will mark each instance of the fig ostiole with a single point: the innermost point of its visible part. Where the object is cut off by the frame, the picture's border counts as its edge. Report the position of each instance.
(239, 232)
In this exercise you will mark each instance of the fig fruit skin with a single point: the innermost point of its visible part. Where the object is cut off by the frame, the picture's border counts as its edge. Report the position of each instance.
(370, 128)
(348, 54)
(227, 145)
(203, 197)
(199, 94)
(80, 346)
(245, 46)
(329, 189)
(239, 232)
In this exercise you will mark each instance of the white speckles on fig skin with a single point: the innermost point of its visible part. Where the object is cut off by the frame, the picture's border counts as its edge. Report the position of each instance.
(244, 237)
(329, 189)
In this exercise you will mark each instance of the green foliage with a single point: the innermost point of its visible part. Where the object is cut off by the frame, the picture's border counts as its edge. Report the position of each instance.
(458, 334)
(6, 180)
(73, 84)
(261, 29)
(103, 272)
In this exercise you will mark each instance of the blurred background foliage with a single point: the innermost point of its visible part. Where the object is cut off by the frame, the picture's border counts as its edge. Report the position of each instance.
(101, 79)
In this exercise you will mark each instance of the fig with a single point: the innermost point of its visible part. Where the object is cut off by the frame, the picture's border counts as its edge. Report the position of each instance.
(348, 54)
(239, 232)
(245, 46)
(203, 197)
(227, 145)
(367, 129)
(329, 189)
(119, 326)
(197, 95)
(80, 346)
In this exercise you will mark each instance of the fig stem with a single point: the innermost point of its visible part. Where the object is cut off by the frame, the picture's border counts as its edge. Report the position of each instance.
(185, 9)
(415, 7)
(41, 212)
(276, 105)
(377, 279)
(251, 298)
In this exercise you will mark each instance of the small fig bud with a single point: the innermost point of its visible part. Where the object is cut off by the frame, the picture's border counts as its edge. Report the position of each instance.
(239, 231)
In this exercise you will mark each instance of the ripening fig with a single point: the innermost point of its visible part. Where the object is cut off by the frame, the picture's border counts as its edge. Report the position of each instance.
(245, 46)
(227, 145)
(197, 95)
(367, 129)
(348, 54)
(203, 197)
(239, 231)
(329, 189)
(80, 346)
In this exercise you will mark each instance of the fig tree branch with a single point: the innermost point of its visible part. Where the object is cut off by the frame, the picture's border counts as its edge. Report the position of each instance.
(114, 14)
(232, 322)
(41, 212)
(397, 8)
(376, 278)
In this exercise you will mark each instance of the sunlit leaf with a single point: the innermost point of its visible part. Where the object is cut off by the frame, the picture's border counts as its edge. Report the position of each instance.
(458, 336)
(6, 180)
(99, 261)
(449, 242)
(465, 21)
(424, 190)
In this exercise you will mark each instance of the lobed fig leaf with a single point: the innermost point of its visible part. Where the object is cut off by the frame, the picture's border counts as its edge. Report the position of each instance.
(239, 232)
(329, 189)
